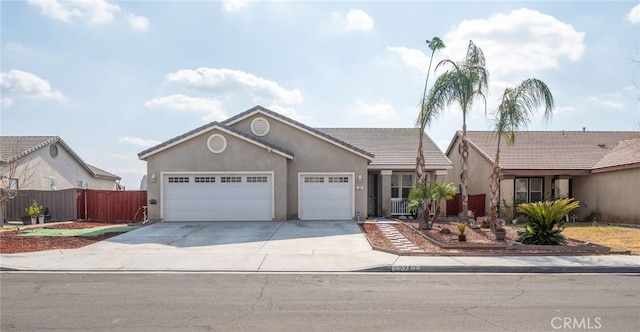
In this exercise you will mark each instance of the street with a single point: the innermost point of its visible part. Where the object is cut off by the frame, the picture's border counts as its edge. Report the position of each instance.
(318, 302)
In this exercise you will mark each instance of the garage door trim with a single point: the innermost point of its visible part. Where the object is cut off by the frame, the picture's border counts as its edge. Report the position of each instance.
(164, 175)
(351, 175)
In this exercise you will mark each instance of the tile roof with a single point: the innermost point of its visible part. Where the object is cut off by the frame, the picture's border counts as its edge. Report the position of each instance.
(627, 152)
(391, 146)
(545, 150)
(21, 146)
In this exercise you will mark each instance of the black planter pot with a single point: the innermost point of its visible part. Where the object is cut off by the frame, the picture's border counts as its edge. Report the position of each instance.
(500, 235)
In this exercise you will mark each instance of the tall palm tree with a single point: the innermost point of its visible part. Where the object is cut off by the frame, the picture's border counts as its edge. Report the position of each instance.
(424, 117)
(461, 84)
(514, 113)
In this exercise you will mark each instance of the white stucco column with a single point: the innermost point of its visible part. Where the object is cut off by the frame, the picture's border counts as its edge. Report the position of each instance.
(385, 203)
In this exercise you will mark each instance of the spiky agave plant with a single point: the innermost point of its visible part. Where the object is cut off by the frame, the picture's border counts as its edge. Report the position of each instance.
(546, 221)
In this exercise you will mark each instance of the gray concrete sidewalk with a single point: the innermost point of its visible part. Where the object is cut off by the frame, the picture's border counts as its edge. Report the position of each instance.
(323, 246)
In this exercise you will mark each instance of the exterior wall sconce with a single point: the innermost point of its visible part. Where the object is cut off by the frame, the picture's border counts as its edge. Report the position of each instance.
(153, 177)
(359, 177)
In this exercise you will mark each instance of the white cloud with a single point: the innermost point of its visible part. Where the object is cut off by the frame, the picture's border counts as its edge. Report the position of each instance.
(411, 57)
(143, 143)
(236, 82)
(234, 6)
(287, 111)
(611, 100)
(138, 22)
(355, 20)
(16, 84)
(634, 15)
(380, 110)
(91, 12)
(210, 108)
(523, 40)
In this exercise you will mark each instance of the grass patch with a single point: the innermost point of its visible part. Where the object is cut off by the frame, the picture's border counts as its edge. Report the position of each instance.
(78, 232)
(614, 237)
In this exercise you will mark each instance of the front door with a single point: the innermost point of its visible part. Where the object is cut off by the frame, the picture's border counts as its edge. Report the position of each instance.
(372, 206)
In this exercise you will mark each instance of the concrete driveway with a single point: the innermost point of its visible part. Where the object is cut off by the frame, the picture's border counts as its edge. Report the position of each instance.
(220, 246)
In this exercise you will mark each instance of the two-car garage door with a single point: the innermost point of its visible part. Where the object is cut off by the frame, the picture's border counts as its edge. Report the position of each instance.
(217, 197)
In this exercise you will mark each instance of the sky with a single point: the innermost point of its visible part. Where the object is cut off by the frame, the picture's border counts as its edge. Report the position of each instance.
(113, 78)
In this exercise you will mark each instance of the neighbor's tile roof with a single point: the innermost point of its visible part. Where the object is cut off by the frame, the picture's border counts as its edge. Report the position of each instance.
(391, 146)
(572, 150)
(21, 146)
(625, 153)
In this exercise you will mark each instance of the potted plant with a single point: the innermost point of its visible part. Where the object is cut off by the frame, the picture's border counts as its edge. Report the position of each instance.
(500, 233)
(462, 227)
(33, 211)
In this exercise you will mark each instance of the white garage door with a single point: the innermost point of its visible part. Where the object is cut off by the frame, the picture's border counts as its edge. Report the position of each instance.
(326, 197)
(215, 197)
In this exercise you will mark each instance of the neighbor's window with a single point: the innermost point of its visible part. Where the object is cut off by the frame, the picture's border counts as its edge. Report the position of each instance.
(528, 190)
(13, 184)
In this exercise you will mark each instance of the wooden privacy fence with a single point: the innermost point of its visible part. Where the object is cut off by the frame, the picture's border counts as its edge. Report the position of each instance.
(108, 205)
(476, 204)
(80, 204)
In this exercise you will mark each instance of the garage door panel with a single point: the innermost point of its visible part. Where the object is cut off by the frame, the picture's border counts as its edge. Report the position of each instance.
(212, 197)
(326, 197)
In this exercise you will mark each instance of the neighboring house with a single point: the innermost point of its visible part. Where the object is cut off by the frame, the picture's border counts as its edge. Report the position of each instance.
(261, 165)
(48, 163)
(601, 169)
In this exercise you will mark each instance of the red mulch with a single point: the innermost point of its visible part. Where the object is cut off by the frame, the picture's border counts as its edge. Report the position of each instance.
(11, 243)
(480, 241)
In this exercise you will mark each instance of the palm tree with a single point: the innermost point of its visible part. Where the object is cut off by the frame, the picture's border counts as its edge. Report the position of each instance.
(460, 84)
(422, 196)
(514, 113)
(441, 191)
(424, 117)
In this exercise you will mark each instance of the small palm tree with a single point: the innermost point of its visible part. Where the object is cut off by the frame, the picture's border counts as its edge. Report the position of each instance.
(441, 192)
(424, 117)
(419, 200)
(514, 113)
(422, 196)
(461, 84)
(546, 221)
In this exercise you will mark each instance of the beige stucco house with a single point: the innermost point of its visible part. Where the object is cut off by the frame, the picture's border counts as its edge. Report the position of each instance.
(48, 163)
(601, 169)
(261, 165)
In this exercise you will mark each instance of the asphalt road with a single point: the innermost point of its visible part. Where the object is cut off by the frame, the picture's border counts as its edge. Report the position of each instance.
(318, 302)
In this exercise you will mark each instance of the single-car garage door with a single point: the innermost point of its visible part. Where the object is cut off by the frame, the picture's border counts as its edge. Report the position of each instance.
(218, 197)
(326, 197)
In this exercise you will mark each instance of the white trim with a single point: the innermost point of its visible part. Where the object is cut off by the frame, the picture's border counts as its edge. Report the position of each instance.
(386, 172)
(206, 130)
(353, 188)
(299, 128)
(169, 173)
(407, 167)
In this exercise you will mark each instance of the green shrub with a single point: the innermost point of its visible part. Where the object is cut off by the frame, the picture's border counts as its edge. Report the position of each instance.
(546, 221)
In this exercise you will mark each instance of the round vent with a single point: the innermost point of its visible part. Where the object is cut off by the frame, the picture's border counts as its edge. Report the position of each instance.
(260, 126)
(217, 143)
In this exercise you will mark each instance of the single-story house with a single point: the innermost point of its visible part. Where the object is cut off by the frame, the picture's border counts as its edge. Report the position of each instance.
(48, 163)
(261, 165)
(601, 169)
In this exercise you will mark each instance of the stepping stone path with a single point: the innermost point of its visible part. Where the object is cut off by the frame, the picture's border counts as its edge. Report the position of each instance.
(397, 239)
